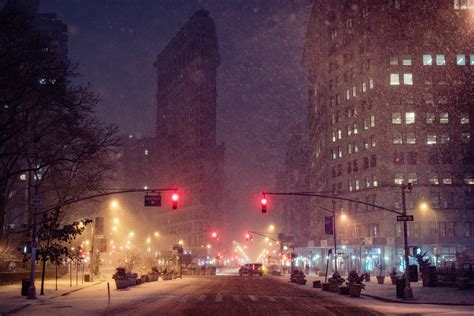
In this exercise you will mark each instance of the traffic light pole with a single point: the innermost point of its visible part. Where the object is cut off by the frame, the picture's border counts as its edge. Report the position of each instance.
(408, 293)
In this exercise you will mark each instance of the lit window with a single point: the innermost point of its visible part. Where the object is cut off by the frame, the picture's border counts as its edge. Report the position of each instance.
(394, 79)
(471, 59)
(460, 59)
(393, 61)
(444, 118)
(410, 118)
(339, 134)
(468, 178)
(397, 138)
(440, 60)
(354, 128)
(427, 60)
(398, 179)
(464, 118)
(430, 118)
(367, 182)
(411, 138)
(339, 152)
(444, 138)
(447, 178)
(357, 185)
(364, 86)
(466, 137)
(356, 148)
(334, 154)
(406, 61)
(396, 118)
(374, 181)
(349, 185)
(333, 136)
(431, 139)
(434, 179)
(412, 178)
(349, 149)
(408, 79)
(354, 91)
(23, 177)
(349, 130)
(371, 81)
(366, 144)
(372, 121)
(146, 152)
(366, 123)
(372, 141)
(348, 94)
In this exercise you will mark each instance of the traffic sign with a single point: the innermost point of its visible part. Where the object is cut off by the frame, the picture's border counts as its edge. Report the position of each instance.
(408, 218)
(37, 201)
(153, 200)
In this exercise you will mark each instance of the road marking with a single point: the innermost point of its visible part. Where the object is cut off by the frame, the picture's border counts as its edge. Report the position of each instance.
(184, 298)
(236, 298)
(270, 298)
(201, 298)
(253, 298)
(219, 297)
(286, 298)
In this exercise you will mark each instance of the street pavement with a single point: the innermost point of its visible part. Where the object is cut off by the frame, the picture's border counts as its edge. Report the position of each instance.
(217, 295)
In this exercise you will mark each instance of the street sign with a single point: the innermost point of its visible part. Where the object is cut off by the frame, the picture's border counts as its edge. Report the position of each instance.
(408, 218)
(153, 200)
(37, 201)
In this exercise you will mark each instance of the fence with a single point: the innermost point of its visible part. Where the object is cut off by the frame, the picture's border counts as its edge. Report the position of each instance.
(16, 277)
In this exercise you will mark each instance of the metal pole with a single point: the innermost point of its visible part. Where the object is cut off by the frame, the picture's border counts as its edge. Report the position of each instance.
(334, 234)
(34, 240)
(408, 293)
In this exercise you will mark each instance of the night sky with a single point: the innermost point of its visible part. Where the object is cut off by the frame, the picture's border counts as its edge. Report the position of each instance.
(262, 88)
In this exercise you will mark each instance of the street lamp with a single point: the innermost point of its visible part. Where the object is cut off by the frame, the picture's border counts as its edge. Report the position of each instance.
(271, 227)
(114, 204)
(424, 207)
(131, 234)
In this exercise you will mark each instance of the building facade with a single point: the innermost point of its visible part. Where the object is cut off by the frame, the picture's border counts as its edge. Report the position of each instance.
(189, 157)
(390, 103)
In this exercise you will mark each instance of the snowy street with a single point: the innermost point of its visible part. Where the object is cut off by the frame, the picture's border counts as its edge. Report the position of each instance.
(218, 295)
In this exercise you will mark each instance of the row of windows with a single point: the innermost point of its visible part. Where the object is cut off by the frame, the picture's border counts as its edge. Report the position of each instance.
(351, 92)
(369, 182)
(431, 138)
(440, 60)
(463, 4)
(407, 79)
(353, 166)
(369, 122)
(353, 148)
(430, 118)
(434, 178)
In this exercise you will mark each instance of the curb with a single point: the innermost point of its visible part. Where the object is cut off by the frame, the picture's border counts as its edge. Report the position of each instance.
(75, 290)
(388, 300)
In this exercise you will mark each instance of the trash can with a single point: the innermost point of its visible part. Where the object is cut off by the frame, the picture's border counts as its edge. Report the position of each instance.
(87, 277)
(413, 273)
(25, 284)
(400, 286)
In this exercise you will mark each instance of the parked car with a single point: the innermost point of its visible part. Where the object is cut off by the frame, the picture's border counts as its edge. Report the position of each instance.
(251, 269)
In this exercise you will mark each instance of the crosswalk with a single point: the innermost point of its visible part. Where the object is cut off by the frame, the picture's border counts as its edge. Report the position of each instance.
(232, 298)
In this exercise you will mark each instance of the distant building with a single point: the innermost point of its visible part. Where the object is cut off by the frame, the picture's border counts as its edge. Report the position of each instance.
(189, 157)
(295, 216)
(390, 103)
(137, 162)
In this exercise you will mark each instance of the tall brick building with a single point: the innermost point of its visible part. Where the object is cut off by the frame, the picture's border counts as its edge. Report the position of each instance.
(188, 154)
(390, 102)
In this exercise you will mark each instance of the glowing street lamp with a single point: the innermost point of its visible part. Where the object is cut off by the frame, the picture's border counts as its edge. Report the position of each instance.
(271, 227)
(114, 204)
(131, 234)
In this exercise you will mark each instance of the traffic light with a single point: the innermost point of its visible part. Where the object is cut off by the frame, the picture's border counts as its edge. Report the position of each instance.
(214, 235)
(175, 199)
(264, 205)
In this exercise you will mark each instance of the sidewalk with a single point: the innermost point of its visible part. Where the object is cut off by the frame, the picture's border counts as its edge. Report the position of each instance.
(11, 299)
(422, 295)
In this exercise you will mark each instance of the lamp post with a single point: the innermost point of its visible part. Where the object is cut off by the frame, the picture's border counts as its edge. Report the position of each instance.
(424, 207)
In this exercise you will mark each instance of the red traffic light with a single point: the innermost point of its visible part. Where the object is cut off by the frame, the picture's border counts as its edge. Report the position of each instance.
(264, 205)
(175, 198)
